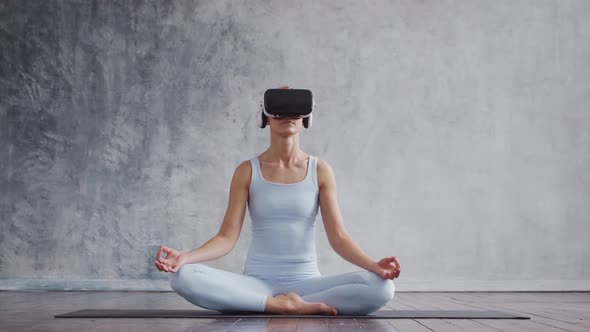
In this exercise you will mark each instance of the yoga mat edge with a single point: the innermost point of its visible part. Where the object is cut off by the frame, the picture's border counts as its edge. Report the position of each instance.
(380, 314)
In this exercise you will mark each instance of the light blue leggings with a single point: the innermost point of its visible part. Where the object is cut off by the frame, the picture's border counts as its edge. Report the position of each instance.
(352, 293)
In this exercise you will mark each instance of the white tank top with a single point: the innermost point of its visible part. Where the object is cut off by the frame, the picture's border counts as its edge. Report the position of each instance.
(283, 226)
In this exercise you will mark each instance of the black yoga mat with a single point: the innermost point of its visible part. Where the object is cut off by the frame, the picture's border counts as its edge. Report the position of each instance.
(384, 314)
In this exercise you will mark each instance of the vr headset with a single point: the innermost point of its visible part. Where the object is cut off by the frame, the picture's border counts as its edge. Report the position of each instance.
(286, 103)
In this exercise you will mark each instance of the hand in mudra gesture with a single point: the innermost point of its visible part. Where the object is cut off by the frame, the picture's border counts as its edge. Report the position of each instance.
(387, 268)
(173, 261)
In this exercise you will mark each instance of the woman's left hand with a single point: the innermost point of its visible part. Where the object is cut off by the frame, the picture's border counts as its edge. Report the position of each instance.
(387, 268)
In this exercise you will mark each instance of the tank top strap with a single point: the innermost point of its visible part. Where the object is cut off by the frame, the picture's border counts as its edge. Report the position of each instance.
(255, 169)
(313, 169)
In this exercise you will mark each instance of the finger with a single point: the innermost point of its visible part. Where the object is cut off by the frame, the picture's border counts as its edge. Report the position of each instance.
(392, 260)
(161, 267)
(388, 274)
(396, 262)
(158, 266)
(388, 261)
(398, 272)
(165, 260)
(160, 258)
(159, 252)
(166, 249)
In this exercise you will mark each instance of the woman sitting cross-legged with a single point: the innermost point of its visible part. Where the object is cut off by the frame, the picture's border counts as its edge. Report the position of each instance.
(283, 189)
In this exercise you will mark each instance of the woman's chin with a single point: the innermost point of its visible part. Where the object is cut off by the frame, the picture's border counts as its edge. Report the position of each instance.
(288, 131)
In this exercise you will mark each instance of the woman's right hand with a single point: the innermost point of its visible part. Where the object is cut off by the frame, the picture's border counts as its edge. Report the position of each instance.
(173, 261)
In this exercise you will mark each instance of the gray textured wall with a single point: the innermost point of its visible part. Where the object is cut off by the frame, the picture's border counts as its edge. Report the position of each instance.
(459, 133)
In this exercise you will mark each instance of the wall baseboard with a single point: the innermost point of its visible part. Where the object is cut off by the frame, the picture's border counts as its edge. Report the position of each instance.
(28, 284)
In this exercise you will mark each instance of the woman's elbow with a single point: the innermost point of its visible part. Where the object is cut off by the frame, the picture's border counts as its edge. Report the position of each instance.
(336, 241)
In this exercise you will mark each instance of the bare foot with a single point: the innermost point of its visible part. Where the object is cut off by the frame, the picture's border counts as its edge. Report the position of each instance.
(293, 304)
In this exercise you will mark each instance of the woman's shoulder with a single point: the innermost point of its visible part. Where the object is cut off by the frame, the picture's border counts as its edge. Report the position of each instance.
(245, 165)
(324, 172)
(243, 172)
(321, 163)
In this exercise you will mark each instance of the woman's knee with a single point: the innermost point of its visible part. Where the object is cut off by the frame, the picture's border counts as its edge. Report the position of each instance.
(189, 272)
(381, 290)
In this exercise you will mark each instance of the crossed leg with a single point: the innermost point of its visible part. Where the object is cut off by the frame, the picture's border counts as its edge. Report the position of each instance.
(352, 293)
(220, 290)
(359, 292)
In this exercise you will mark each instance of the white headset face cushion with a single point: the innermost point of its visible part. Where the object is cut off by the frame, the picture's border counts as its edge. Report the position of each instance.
(259, 120)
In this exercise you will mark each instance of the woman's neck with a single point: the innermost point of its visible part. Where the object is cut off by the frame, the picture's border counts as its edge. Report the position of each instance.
(285, 151)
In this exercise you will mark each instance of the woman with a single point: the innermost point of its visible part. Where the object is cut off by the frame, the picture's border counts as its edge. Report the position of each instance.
(283, 188)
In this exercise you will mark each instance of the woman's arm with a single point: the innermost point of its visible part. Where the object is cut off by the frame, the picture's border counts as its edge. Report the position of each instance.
(338, 237)
(216, 247)
(227, 237)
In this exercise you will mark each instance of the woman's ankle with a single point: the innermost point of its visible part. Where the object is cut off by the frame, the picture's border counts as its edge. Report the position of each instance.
(274, 304)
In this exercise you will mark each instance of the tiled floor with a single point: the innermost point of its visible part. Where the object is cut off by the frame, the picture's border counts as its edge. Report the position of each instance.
(549, 311)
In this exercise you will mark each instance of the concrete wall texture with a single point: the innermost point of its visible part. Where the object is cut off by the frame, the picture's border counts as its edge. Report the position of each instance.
(458, 131)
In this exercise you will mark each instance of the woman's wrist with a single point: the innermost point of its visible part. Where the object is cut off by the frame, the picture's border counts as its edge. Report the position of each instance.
(184, 257)
(373, 265)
